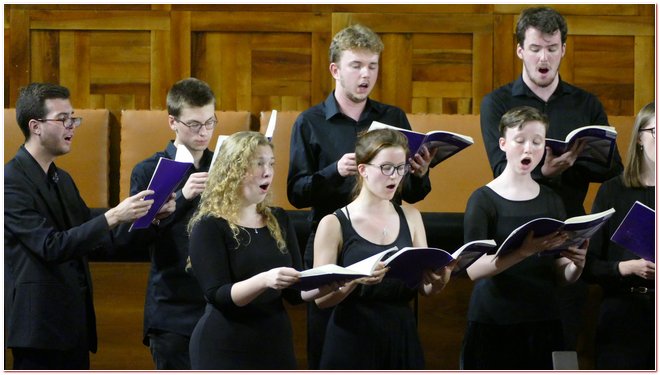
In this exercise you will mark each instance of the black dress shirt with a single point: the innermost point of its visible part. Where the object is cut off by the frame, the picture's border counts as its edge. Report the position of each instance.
(320, 136)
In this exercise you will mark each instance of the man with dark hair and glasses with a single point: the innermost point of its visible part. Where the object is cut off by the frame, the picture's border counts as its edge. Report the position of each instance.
(49, 231)
(174, 301)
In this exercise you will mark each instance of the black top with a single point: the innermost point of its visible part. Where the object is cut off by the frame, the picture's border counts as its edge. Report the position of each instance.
(320, 136)
(174, 301)
(525, 291)
(255, 336)
(604, 255)
(374, 327)
(568, 108)
(356, 248)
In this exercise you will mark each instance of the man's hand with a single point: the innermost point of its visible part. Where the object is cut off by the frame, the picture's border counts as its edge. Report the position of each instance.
(419, 163)
(130, 209)
(168, 208)
(554, 166)
(195, 185)
(346, 166)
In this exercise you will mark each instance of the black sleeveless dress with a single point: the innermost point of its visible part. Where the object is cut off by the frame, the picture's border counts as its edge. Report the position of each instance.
(374, 327)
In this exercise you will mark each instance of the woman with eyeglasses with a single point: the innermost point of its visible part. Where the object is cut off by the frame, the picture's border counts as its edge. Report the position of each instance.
(372, 325)
(625, 336)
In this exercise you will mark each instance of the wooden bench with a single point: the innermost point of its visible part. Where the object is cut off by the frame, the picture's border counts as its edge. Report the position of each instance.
(88, 161)
(145, 132)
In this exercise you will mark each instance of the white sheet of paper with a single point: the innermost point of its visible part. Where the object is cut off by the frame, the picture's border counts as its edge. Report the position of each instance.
(183, 154)
(270, 130)
(218, 144)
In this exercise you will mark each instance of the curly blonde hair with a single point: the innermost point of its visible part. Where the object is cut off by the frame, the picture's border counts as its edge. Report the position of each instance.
(223, 195)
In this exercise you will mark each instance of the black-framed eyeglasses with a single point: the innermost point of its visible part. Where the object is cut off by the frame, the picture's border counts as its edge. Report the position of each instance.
(197, 126)
(652, 130)
(68, 123)
(389, 169)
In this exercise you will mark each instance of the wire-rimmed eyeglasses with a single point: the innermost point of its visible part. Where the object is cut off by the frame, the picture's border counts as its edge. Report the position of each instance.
(68, 123)
(388, 169)
(197, 126)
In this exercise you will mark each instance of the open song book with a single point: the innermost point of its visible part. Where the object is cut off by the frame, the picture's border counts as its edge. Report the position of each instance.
(599, 148)
(446, 143)
(637, 231)
(407, 264)
(578, 228)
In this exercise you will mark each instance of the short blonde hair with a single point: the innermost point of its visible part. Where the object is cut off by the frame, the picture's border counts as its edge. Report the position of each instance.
(354, 37)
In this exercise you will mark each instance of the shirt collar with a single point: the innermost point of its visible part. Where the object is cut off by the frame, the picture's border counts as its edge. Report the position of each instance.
(520, 88)
(170, 151)
(33, 168)
(332, 108)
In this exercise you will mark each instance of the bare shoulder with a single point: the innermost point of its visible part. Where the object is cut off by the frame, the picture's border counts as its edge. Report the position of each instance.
(411, 212)
(328, 226)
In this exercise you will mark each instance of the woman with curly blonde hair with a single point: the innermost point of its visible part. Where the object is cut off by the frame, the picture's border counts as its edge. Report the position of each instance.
(244, 254)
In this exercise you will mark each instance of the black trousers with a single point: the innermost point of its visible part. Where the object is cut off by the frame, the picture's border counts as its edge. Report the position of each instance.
(625, 337)
(522, 346)
(317, 319)
(44, 359)
(76, 358)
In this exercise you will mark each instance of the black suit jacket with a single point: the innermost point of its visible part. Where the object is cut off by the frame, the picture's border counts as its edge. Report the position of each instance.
(48, 234)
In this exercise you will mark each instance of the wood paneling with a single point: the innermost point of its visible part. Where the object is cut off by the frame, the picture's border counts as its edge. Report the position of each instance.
(438, 58)
(87, 162)
(119, 290)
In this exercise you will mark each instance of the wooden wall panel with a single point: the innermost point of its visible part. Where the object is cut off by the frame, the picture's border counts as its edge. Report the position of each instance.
(438, 58)
(443, 48)
(169, 34)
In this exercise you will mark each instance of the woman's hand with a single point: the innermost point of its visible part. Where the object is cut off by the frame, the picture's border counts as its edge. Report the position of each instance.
(376, 276)
(280, 278)
(577, 255)
(638, 267)
(531, 245)
(434, 281)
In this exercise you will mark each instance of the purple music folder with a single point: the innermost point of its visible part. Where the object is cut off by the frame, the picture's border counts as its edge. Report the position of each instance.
(637, 231)
(166, 178)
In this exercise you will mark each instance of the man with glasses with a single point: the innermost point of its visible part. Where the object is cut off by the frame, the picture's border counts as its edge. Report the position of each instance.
(322, 166)
(174, 301)
(49, 231)
(541, 34)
